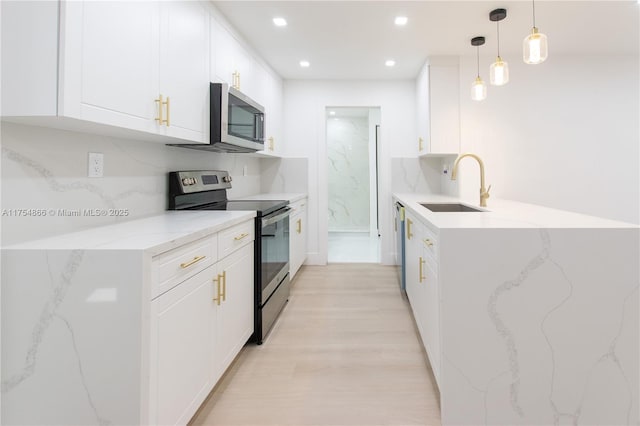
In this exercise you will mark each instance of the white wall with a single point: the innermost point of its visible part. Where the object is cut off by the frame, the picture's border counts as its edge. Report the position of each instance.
(305, 136)
(47, 169)
(563, 134)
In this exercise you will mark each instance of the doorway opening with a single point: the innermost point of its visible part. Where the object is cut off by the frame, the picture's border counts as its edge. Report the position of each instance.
(353, 146)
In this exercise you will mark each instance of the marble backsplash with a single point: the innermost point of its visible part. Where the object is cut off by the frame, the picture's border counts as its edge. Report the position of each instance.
(348, 174)
(46, 191)
(422, 176)
(284, 175)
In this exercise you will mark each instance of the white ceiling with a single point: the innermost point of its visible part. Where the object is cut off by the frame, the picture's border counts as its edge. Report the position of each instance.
(352, 39)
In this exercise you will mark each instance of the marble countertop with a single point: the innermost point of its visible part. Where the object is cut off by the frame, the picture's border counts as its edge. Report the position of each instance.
(502, 214)
(154, 234)
(291, 197)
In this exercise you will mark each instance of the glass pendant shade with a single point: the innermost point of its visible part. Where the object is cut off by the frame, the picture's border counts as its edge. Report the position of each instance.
(478, 89)
(534, 47)
(499, 72)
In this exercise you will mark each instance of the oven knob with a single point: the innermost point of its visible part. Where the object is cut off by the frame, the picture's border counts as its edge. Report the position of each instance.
(226, 179)
(194, 180)
(185, 181)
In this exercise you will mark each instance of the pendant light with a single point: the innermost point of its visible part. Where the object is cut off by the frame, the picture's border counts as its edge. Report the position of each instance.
(499, 70)
(534, 47)
(478, 87)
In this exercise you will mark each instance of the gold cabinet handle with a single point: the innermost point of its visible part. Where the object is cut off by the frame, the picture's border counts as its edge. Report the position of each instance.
(241, 236)
(421, 271)
(167, 120)
(218, 297)
(271, 143)
(192, 261)
(224, 285)
(428, 242)
(409, 234)
(420, 144)
(236, 80)
(299, 230)
(160, 103)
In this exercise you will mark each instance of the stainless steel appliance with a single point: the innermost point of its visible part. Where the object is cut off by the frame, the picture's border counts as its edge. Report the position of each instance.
(207, 190)
(400, 246)
(236, 122)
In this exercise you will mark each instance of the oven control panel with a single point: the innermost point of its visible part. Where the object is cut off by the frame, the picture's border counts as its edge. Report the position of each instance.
(200, 180)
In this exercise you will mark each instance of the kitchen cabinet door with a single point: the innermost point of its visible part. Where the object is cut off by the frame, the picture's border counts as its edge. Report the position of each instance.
(298, 236)
(444, 109)
(234, 65)
(273, 108)
(109, 63)
(184, 69)
(438, 107)
(415, 266)
(422, 109)
(182, 324)
(430, 315)
(235, 321)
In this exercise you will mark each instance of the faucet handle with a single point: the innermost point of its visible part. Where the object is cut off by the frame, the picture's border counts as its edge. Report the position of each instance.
(488, 189)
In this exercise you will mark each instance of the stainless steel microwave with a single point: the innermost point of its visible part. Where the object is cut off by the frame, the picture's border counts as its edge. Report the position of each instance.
(236, 122)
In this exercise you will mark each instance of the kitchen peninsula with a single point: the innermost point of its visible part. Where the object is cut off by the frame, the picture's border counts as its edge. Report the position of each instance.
(529, 315)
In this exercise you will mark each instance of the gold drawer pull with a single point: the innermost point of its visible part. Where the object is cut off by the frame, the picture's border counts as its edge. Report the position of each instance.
(192, 261)
(219, 296)
(428, 242)
(241, 236)
(224, 285)
(422, 261)
(160, 102)
(409, 234)
(167, 120)
(299, 230)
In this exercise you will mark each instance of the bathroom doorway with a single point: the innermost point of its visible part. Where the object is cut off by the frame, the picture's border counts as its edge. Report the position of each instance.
(353, 148)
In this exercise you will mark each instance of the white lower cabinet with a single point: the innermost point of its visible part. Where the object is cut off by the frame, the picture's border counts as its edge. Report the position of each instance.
(182, 323)
(196, 330)
(422, 286)
(234, 322)
(297, 236)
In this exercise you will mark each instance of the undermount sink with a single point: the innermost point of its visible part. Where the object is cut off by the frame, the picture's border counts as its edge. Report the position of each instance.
(449, 207)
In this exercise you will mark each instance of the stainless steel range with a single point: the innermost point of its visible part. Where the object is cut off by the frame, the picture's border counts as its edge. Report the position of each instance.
(207, 190)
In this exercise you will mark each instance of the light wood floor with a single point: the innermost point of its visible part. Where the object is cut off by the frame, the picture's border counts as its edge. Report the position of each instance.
(344, 351)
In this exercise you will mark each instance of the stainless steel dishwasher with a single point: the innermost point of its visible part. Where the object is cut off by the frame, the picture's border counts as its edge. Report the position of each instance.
(400, 246)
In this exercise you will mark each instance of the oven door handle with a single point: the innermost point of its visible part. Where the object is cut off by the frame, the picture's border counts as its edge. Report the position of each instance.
(266, 221)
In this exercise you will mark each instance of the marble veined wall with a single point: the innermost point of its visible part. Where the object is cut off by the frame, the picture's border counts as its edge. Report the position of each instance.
(348, 174)
(46, 191)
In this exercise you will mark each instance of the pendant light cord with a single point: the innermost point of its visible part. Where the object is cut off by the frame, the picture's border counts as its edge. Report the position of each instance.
(498, 26)
(478, 60)
(533, 5)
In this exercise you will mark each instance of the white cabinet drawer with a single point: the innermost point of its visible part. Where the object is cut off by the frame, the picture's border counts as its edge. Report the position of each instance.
(430, 241)
(235, 237)
(171, 268)
(298, 207)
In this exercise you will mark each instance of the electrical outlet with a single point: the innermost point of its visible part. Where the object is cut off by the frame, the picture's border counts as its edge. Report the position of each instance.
(96, 164)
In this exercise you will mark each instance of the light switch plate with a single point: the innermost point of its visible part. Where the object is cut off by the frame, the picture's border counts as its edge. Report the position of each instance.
(96, 165)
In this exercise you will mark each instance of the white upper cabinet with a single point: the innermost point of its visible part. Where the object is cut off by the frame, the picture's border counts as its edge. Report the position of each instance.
(438, 107)
(184, 68)
(234, 65)
(112, 62)
(268, 92)
(109, 52)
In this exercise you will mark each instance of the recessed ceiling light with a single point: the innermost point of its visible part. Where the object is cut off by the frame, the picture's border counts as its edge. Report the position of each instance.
(305, 64)
(332, 113)
(390, 63)
(401, 20)
(280, 22)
